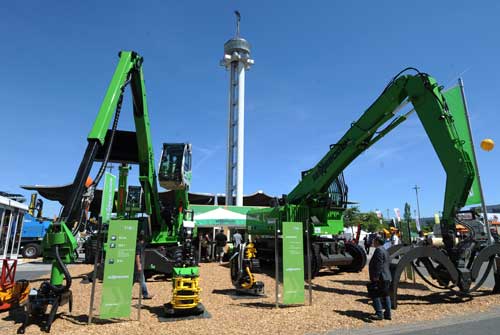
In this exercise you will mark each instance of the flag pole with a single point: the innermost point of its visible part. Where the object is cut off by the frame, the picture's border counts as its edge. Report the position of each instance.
(476, 167)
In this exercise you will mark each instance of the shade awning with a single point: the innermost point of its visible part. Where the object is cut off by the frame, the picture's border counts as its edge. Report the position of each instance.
(220, 217)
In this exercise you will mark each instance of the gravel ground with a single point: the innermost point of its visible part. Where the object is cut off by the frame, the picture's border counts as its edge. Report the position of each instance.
(339, 301)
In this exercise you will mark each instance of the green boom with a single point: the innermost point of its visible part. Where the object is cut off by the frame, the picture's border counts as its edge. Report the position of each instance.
(319, 198)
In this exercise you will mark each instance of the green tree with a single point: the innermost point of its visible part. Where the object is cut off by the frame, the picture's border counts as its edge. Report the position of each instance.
(368, 221)
(352, 216)
(406, 225)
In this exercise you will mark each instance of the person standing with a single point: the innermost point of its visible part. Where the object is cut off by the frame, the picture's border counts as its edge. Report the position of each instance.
(220, 243)
(394, 239)
(367, 243)
(166, 215)
(205, 245)
(380, 280)
(237, 239)
(139, 273)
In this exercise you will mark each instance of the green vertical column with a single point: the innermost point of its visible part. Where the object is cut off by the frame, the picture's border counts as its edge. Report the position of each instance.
(293, 263)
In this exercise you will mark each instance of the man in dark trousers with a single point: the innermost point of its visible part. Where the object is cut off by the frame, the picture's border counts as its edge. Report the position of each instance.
(380, 280)
(220, 243)
(139, 273)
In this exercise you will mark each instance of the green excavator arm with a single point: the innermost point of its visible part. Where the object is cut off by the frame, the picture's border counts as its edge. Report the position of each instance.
(379, 119)
(128, 71)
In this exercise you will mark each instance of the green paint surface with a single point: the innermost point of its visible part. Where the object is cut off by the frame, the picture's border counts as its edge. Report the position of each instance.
(293, 263)
(119, 269)
(108, 196)
(457, 108)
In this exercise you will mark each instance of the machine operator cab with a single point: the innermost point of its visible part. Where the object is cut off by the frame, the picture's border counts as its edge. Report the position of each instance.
(175, 166)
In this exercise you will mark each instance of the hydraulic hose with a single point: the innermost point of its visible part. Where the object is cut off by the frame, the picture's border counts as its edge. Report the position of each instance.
(76, 229)
(111, 139)
(67, 275)
(428, 281)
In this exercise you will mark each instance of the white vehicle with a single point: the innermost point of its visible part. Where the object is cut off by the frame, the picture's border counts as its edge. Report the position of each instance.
(11, 226)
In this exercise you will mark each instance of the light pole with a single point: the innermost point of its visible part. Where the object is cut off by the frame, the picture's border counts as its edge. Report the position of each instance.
(416, 188)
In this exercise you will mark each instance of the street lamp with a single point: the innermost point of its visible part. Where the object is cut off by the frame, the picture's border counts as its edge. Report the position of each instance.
(416, 188)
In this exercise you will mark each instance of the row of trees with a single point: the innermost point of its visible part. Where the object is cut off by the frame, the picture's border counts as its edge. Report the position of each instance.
(372, 223)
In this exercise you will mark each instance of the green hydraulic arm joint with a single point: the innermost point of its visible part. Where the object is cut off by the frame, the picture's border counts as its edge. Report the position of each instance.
(128, 60)
(129, 70)
(430, 105)
(58, 235)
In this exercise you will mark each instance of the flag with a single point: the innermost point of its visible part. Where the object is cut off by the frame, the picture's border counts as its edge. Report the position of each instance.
(456, 105)
(398, 213)
(417, 223)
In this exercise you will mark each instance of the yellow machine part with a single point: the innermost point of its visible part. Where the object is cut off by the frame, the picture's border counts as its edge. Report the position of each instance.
(250, 252)
(251, 279)
(14, 294)
(186, 293)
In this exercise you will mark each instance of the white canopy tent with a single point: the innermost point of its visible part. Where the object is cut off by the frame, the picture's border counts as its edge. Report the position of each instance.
(220, 217)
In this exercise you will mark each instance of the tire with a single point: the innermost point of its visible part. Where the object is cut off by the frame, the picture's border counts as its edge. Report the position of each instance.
(32, 250)
(316, 262)
(359, 258)
(233, 266)
(90, 248)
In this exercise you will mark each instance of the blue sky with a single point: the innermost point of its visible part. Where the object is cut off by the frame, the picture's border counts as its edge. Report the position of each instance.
(318, 66)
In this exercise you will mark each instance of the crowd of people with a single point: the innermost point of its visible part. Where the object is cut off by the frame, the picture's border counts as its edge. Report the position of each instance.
(393, 239)
(215, 248)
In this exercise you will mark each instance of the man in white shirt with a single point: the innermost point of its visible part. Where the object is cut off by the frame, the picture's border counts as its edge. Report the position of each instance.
(394, 239)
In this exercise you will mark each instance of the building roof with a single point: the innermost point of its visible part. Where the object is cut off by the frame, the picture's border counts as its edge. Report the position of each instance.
(61, 193)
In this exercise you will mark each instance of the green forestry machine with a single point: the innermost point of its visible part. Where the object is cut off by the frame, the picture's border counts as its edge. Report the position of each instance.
(320, 198)
(170, 231)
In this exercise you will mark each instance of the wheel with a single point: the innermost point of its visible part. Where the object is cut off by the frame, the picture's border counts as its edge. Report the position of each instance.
(234, 271)
(32, 250)
(359, 258)
(316, 262)
(90, 247)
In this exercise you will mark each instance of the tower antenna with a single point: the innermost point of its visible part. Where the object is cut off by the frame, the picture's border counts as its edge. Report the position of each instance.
(238, 19)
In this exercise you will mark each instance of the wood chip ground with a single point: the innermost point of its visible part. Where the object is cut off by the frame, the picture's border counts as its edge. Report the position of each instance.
(339, 301)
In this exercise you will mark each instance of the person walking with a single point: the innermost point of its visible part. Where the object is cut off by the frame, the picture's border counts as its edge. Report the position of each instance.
(220, 243)
(380, 280)
(139, 273)
(237, 239)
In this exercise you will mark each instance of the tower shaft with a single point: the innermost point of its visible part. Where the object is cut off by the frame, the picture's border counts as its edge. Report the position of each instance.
(237, 61)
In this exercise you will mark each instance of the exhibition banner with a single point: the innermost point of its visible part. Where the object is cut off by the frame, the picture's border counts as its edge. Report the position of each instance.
(108, 197)
(456, 105)
(293, 263)
(119, 269)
